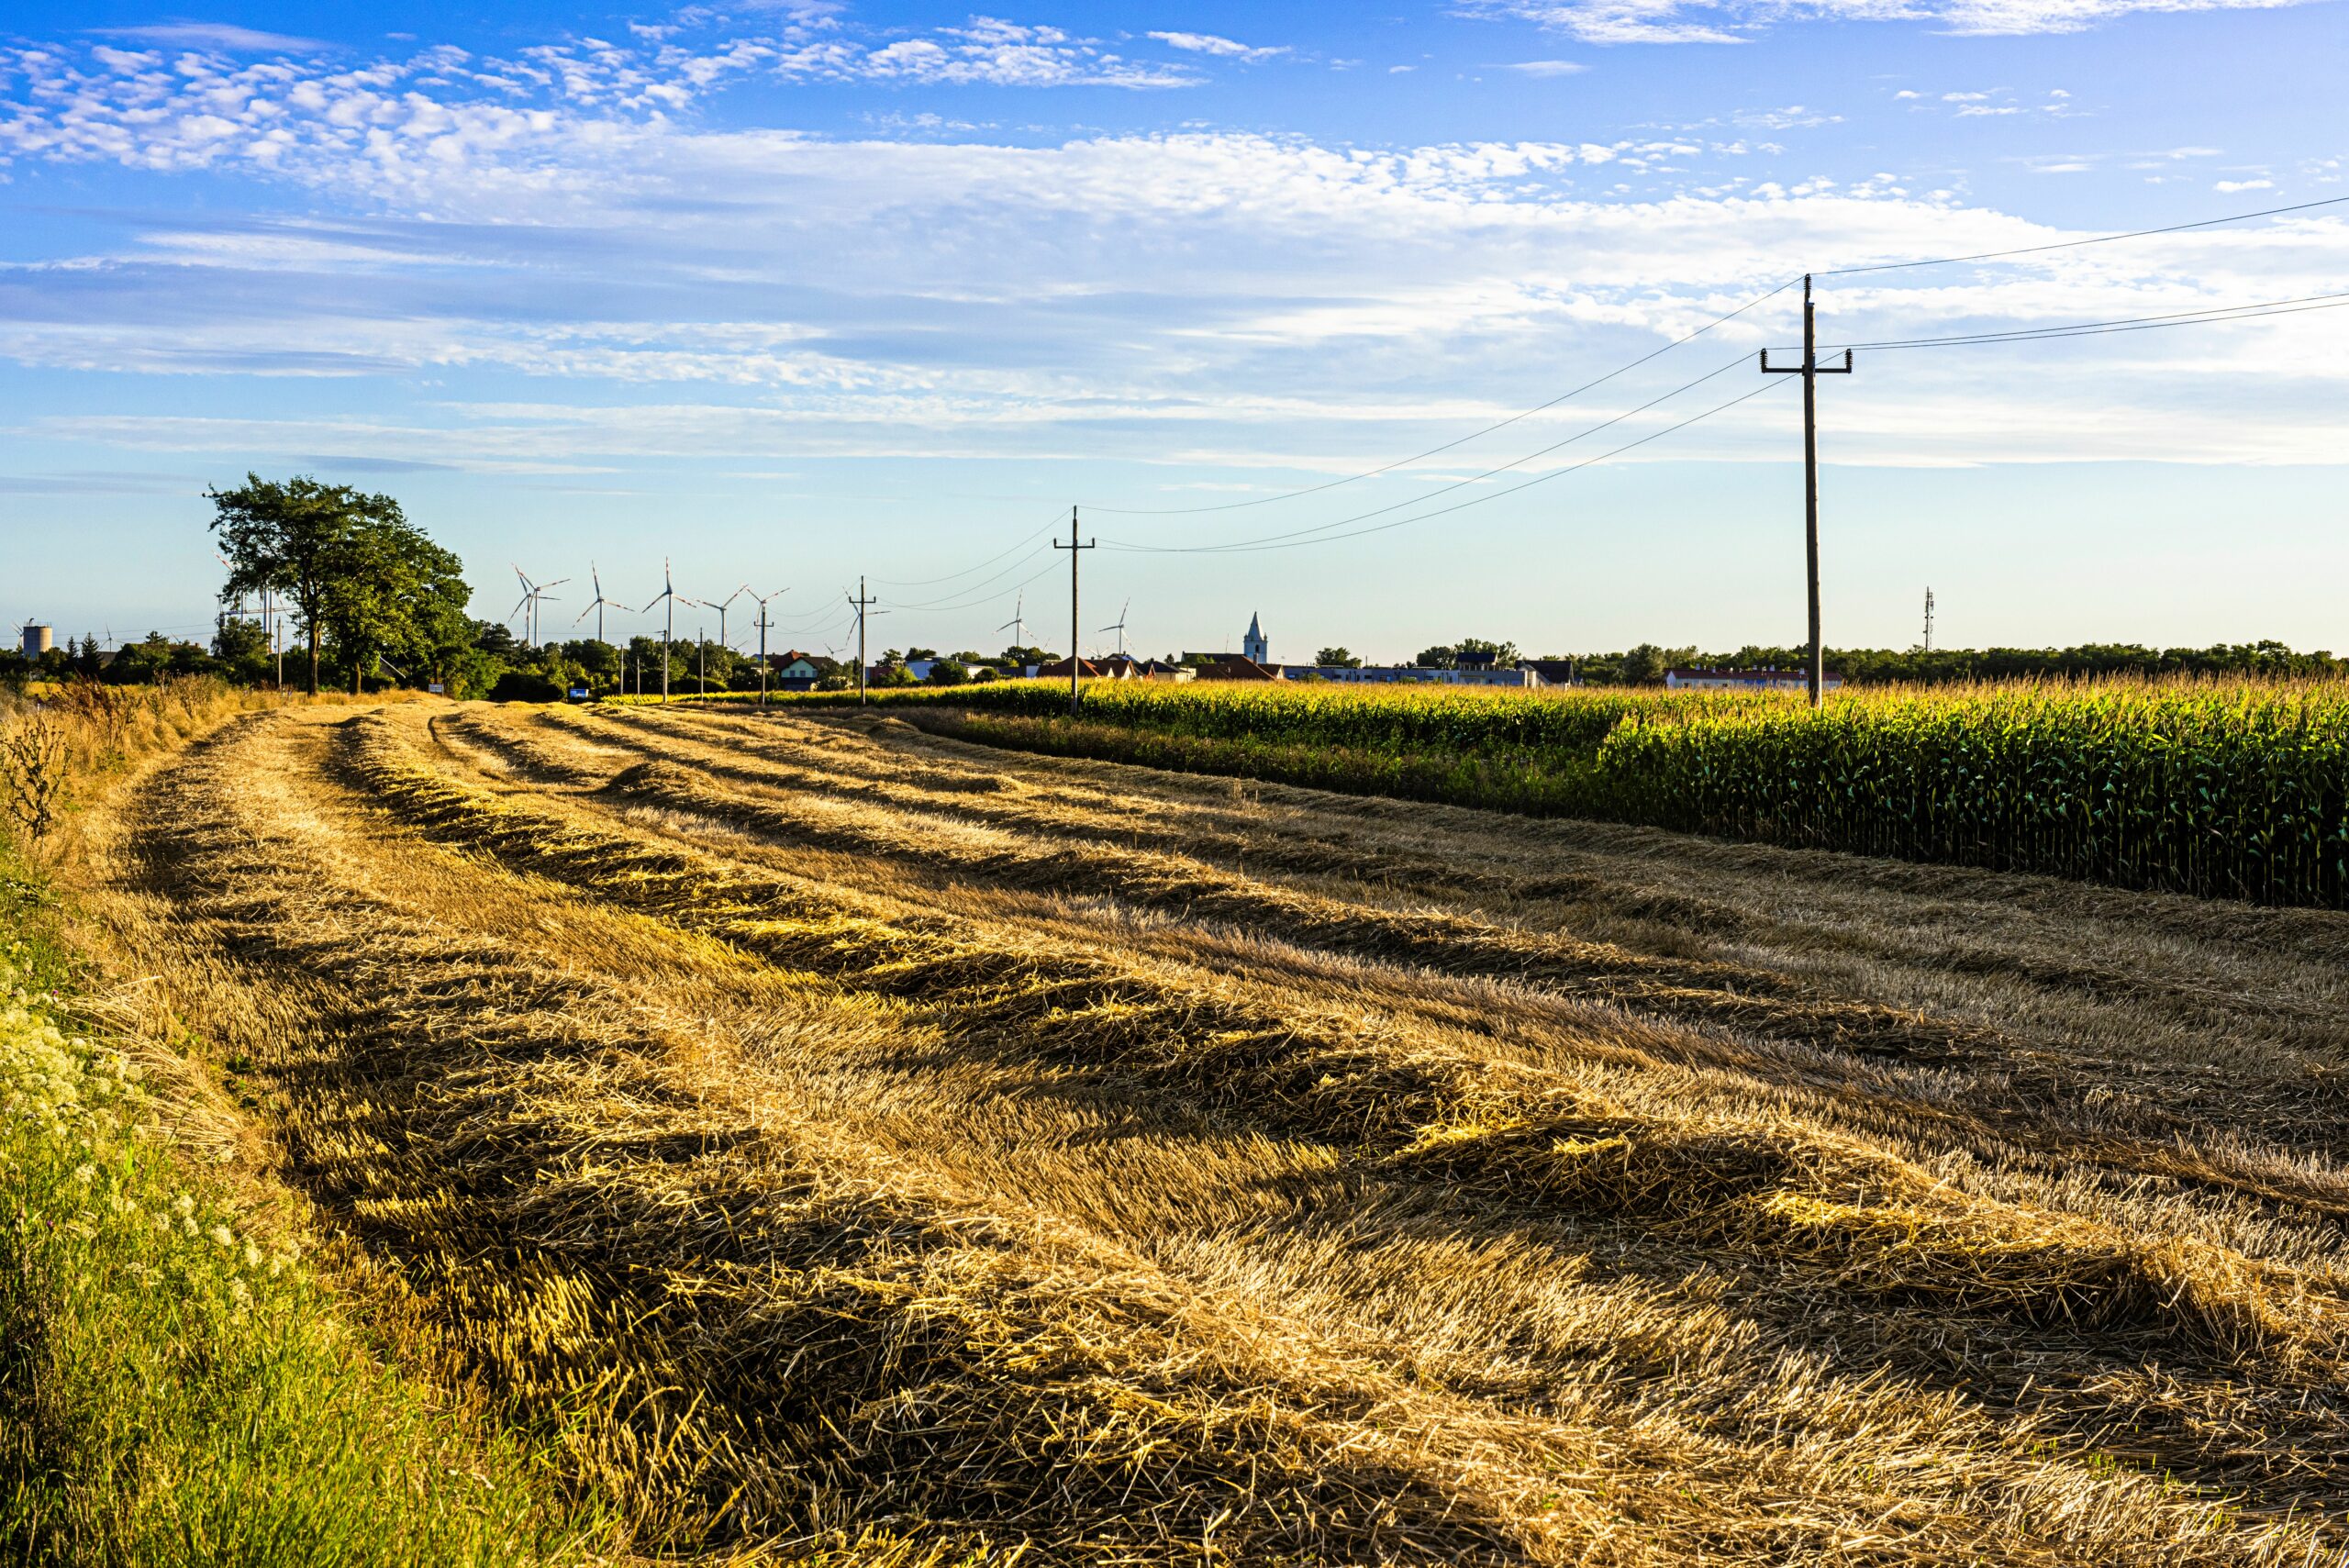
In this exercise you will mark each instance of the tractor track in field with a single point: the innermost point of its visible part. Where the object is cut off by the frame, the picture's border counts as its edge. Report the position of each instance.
(865, 1129)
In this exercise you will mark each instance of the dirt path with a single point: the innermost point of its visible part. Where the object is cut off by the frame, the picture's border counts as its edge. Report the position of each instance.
(828, 1125)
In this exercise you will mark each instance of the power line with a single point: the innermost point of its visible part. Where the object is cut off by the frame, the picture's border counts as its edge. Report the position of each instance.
(990, 560)
(1473, 435)
(1473, 479)
(2217, 313)
(1842, 271)
(1474, 501)
(995, 577)
(996, 597)
(2075, 244)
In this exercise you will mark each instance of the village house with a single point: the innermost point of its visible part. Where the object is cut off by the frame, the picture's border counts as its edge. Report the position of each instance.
(1746, 681)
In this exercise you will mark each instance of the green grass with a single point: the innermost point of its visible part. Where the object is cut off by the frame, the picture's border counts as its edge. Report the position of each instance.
(175, 1387)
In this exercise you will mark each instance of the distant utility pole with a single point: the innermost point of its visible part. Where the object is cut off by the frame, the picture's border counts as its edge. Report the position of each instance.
(763, 624)
(1929, 620)
(701, 639)
(1811, 370)
(1074, 548)
(863, 604)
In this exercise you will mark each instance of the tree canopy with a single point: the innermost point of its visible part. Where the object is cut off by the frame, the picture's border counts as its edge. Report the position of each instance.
(357, 575)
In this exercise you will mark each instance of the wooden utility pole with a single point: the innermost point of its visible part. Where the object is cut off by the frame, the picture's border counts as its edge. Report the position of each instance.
(763, 623)
(864, 603)
(1074, 548)
(1811, 370)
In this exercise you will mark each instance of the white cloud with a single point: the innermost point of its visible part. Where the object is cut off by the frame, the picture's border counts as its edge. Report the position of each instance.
(225, 37)
(1208, 43)
(2232, 185)
(1544, 67)
(1731, 21)
(672, 288)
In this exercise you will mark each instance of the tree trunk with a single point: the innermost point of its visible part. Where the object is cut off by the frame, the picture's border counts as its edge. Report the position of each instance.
(314, 661)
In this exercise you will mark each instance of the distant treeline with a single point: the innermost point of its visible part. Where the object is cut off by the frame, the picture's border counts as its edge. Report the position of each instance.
(1645, 664)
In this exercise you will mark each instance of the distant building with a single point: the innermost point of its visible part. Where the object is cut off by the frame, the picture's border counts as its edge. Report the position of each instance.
(38, 640)
(1230, 667)
(1256, 647)
(796, 672)
(1086, 670)
(1411, 675)
(1746, 681)
(1159, 670)
(1553, 672)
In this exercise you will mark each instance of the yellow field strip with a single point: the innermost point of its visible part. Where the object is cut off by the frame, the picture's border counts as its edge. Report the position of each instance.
(1835, 1206)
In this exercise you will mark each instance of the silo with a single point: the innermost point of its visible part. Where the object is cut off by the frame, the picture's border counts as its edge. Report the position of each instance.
(38, 640)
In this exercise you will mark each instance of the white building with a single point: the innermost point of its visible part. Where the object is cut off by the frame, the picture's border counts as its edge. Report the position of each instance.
(1408, 674)
(1255, 645)
(1746, 681)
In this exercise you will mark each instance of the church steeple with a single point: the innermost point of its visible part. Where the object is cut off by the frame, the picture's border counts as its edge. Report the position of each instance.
(1254, 645)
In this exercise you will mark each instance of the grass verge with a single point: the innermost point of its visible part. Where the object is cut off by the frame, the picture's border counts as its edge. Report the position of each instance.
(175, 1388)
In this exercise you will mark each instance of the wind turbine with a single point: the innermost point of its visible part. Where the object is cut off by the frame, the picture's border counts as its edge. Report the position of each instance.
(1017, 624)
(668, 591)
(599, 605)
(719, 606)
(532, 593)
(1119, 626)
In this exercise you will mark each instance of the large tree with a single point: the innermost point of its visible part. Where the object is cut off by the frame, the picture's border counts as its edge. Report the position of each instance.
(354, 569)
(395, 595)
(292, 538)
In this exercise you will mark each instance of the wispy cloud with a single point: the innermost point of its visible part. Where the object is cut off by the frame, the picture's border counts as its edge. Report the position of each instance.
(675, 287)
(1733, 21)
(224, 37)
(1224, 48)
(1544, 67)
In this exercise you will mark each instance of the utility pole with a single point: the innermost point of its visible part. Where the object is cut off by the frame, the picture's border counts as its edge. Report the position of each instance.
(1074, 548)
(863, 603)
(763, 624)
(701, 641)
(1929, 620)
(1811, 370)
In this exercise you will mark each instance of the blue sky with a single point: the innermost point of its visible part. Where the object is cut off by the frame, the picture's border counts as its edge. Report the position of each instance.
(793, 291)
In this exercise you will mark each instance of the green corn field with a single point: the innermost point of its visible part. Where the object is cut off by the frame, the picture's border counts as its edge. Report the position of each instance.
(2228, 789)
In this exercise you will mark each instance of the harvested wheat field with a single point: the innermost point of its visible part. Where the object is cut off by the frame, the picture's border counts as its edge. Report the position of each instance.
(821, 1126)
